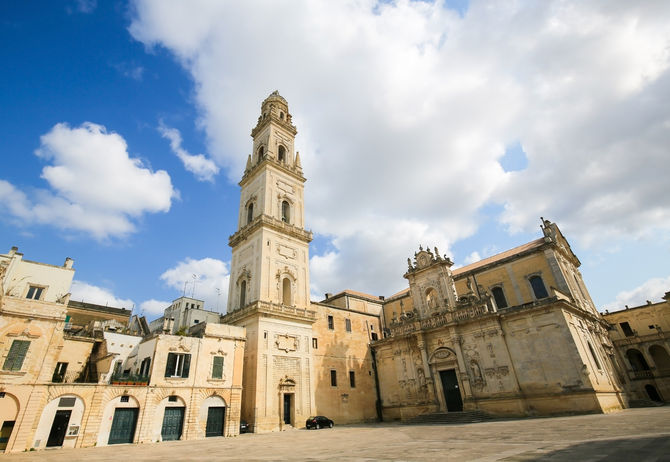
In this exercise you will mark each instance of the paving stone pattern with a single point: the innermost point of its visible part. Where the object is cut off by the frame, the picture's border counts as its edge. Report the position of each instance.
(632, 435)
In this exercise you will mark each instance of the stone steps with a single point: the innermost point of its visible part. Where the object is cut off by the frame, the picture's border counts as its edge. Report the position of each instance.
(453, 418)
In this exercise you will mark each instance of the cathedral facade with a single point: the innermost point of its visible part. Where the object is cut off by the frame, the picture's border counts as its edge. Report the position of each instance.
(514, 334)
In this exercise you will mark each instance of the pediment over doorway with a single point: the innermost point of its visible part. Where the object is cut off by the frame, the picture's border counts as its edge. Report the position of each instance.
(442, 354)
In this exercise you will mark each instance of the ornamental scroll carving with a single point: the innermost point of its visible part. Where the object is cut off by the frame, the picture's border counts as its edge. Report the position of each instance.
(286, 343)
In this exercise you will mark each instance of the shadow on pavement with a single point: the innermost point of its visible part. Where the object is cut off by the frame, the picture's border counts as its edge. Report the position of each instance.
(653, 449)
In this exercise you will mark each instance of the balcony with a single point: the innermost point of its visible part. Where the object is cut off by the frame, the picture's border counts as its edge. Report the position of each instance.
(130, 379)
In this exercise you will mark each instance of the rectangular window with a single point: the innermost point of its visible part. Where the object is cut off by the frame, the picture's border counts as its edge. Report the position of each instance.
(177, 365)
(315, 343)
(627, 331)
(67, 402)
(374, 336)
(347, 325)
(333, 378)
(125, 399)
(59, 373)
(16, 355)
(217, 367)
(331, 323)
(35, 292)
(352, 379)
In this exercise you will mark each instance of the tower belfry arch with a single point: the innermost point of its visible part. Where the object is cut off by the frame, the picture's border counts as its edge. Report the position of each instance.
(270, 253)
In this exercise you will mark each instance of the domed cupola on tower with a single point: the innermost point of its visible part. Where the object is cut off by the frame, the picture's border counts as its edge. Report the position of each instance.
(273, 136)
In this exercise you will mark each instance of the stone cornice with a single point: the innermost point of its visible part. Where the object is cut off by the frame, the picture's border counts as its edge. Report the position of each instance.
(295, 172)
(266, 221)
(272, 118)
(269, 309)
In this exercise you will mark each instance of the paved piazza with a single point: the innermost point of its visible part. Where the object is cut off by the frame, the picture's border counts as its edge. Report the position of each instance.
(630, 435)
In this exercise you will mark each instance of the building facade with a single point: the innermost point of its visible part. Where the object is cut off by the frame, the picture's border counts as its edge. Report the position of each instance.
(641, 338)
(62, 386)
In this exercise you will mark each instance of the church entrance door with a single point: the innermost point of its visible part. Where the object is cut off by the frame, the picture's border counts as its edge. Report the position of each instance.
(452, 394)
(287, 408)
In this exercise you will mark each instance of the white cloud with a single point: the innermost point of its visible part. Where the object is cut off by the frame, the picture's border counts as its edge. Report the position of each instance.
(404, 111)
(96, 187)
(83, 291)
(153, 309)
(210, 284)
(203, 168)
(651, 290)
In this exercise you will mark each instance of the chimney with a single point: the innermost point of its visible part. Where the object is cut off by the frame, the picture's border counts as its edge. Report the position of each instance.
(328, 295)
(68, 263)
(13, 251)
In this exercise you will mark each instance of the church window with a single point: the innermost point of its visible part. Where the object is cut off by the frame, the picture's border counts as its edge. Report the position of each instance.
(333, 378)
(286, 291)
(285, 212)
(538, 287)
(261, 151)
(352, 379)
(331, 323)
(281, 115)
(16, 356)
(499, 296)
(282, 154)
(347, 325)
(243, 294)
(593, 355)
(250, 212)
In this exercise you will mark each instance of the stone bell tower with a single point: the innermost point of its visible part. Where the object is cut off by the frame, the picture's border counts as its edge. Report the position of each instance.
(269, 276)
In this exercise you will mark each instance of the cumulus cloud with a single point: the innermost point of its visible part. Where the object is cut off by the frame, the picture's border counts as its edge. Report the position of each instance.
(95, 186)
(651, 290)
(405, 109)
(85, 292)
(209, 284)
(203, 168)
(153, 309)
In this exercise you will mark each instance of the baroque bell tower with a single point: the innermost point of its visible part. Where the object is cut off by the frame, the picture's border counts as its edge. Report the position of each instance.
(269, 276)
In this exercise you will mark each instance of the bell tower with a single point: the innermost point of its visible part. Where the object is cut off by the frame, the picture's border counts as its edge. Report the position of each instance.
(269, 276)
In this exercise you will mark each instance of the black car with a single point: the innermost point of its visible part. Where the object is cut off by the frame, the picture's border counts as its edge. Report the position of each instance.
(244, 426)
(319, 422)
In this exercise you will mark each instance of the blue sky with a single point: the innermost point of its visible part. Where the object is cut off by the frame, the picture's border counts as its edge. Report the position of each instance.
(125, 128)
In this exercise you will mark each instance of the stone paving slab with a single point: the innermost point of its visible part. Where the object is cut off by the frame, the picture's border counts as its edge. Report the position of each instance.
(632, 435)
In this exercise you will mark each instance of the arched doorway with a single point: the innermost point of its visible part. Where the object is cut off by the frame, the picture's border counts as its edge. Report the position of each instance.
(60, 422)
(444, 365)
(119, 421)
(9, 410)
(653, 393)
(213, 412)
(171, 412)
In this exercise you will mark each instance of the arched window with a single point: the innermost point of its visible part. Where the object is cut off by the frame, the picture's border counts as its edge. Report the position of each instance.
(261, 151)
(282, 154)
(660, 357)
(281, 115)
(499, 296)
(250, 212)
(286, 291)
(636, 360)
(538, 287)
(285, 212)
(243, 293)
(431, 298)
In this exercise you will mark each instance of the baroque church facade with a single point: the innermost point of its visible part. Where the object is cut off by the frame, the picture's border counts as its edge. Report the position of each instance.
(514, 334)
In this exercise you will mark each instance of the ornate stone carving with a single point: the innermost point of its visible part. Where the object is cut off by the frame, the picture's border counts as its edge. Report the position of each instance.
(286, 342)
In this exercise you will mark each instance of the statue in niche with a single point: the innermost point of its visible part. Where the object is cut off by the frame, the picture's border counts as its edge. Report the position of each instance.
(476, 370)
